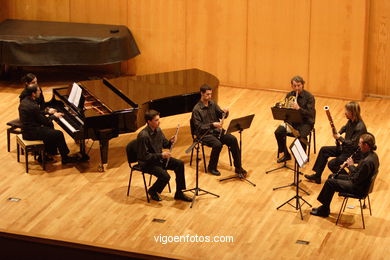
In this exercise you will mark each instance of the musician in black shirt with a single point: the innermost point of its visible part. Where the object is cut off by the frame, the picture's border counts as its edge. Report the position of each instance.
(37, 126)
(150, 142)
(356, 182)
(353, 129)
(31, 79)
(304, 102)
(206, 117)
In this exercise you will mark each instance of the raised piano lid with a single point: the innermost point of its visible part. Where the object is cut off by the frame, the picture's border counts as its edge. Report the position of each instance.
(145, 89)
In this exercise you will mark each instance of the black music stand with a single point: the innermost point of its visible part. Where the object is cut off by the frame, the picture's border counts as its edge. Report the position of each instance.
(239, 124)
(301, 158)
(196, 190)
(287, 115)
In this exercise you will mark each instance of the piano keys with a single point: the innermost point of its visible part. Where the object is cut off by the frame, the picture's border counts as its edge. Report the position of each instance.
(116, 106)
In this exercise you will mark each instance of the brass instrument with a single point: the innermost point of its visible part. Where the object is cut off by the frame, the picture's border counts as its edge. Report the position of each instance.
(334, 131)
(287, 102)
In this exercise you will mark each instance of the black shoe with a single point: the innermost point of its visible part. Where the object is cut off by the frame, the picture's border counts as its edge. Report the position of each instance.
(154, 195)
(69, 159)
(321, 211)
(181, 196)
(313, 178)
(285, 158)
(240, 171)
(214, 172)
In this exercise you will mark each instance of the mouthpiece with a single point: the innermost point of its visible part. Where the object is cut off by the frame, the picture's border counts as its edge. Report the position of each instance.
(326, 107)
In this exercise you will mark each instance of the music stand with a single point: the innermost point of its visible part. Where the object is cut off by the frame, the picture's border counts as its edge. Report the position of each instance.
(239, 124)
(287, 115)
(301, 158)
(196, 190)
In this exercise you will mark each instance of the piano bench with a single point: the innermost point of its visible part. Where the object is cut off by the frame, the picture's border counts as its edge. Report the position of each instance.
(26, 146)
(15, 127)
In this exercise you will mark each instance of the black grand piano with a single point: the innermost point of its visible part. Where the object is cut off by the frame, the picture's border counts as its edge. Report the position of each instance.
(112, 107)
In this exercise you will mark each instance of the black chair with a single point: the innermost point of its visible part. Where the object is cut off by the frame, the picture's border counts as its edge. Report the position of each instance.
(312, 137)
(359, 197)
(15, 127)
(192, 128)
(131, 151)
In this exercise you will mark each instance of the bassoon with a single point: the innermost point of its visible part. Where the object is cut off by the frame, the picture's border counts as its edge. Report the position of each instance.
(334, 131)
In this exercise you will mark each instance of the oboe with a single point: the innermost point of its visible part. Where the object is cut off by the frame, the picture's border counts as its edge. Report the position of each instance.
(344, 164)
(170, 149)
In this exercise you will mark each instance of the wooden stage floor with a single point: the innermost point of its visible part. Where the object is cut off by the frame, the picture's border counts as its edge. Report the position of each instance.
(77, 203)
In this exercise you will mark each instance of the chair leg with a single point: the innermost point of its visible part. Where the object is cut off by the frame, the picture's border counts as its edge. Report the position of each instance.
(309, 148)
(361, 211)
(26, 156)
(17, 152)
(8, 139)
(369, 204)
(150, 180)
(230, 156)
(345, 205)
(128, 187)
(169, 187)
(314, 139)
(146, 190)
(204, 160)
(341, 210)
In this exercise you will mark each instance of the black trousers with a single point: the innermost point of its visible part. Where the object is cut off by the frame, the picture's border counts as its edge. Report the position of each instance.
(281, 136)
(340, 184)
(163, 177)
(52, 138)
(216, 147)
(323, 156)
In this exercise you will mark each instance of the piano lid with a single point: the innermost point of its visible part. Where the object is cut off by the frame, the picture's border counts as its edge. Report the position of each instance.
(146, 88)
(43, 43)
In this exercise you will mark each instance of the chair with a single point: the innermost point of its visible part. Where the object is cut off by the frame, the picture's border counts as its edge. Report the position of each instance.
(15, 128)
(359, 197)
(192, 128)
(26, 146)
(131, 151)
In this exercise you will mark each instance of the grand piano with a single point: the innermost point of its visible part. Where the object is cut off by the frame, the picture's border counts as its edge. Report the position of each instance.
(116, 106)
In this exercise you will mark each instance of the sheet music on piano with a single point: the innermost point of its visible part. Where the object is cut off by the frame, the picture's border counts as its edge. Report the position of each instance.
(75, 94)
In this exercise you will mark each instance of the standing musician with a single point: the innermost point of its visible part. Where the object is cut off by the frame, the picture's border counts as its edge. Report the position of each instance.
(305, 103)
(353, 129)
(206, 117)
(150, 142)
(37, 126)
(356, 182)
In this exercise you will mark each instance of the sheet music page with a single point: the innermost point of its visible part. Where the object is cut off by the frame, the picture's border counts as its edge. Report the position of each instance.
(73, 92)
(299, 153)
(77, 97)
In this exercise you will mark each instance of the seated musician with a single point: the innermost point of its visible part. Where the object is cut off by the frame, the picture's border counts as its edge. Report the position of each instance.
(354, 128)
(206, 117)
(37, 126)
(31, 79)
(356, 182)
(304, 102)
(150, 142)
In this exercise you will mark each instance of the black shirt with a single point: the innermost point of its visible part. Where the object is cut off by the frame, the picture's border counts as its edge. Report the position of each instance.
(40, 101)
(362, 174)
(203, 117)
(306, 103)
(353, 131)
(31, 116)
(150, 144)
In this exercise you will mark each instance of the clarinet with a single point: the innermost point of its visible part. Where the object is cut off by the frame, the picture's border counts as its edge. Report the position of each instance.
(223, 118)
(170, 149)
(344, 164)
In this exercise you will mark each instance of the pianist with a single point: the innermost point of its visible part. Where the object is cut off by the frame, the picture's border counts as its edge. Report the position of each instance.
(150, 142)
(36, 126)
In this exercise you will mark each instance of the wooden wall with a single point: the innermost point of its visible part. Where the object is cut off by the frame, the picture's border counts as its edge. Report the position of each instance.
(338, 46)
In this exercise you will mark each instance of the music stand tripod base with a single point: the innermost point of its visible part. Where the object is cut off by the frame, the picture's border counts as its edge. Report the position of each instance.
(238, 176)
(196, 190)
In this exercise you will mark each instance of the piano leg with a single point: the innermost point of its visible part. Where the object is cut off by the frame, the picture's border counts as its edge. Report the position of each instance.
(103, 154)
(83, 154)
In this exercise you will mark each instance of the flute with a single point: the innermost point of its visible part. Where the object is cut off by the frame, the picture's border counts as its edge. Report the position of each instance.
(170, 149)
(344, 164)
(223, 118)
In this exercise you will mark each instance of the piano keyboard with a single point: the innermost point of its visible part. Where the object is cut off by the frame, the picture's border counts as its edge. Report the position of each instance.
(69, 126)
